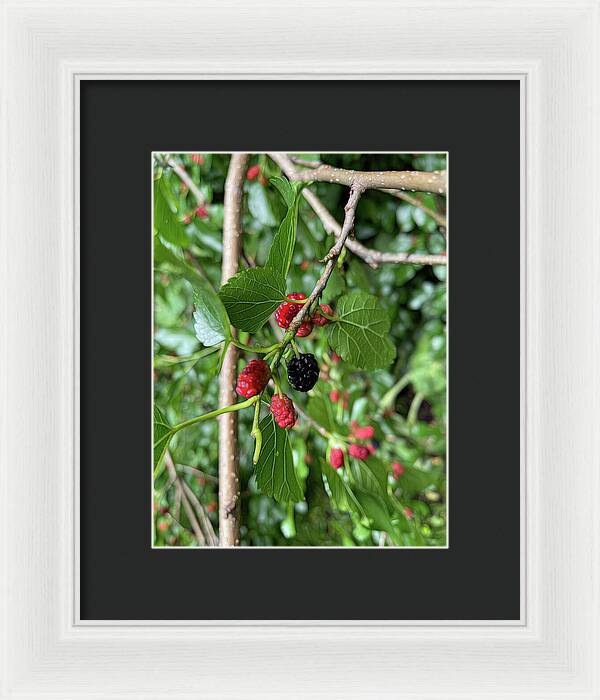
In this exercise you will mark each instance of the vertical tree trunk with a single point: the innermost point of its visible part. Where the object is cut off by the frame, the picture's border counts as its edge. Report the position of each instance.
(229, 478)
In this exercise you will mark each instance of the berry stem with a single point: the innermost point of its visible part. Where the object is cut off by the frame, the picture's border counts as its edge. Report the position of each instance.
(329, 317)
(413, 411)
(217, 412)
(256, 433)
(275, 379)
(295, 348)
(390, 396)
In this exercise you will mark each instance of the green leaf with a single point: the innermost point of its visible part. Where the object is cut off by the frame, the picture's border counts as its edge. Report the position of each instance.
(282, 248)
(211, 320)
(336, 484)
(376, 510)
(275, 473)
(251, 296)
(371, 474)
(285, 189)
(165, 220)
(360, 336)
(162, 436)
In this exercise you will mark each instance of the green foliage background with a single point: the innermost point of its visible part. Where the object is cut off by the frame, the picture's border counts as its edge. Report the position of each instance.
(405, 403)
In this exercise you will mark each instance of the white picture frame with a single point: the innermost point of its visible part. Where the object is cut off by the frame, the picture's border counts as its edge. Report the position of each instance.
(552, 49)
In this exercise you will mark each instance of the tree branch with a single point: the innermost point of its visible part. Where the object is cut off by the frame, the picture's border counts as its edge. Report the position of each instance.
(440, 219)
(411, 180)
(229, 479)
(330, 224)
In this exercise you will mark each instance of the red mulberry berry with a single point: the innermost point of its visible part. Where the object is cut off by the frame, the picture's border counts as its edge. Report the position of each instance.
(408, 512)
(202, 212)
(398, 470)
(212, 507)
(304, 329)
(253, 378)
(283, 411)
(187, 219)
(362, 433)
(320, 320)
(334, 396)
(285, 312)
(336, 457)
(359, 451)
(335, 358)
(198, 159)
(253, 172)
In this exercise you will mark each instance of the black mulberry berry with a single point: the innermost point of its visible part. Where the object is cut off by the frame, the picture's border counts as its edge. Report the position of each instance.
(303, 372)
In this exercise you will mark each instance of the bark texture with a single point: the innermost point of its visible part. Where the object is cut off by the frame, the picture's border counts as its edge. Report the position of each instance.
(229, 471)
(411, 180)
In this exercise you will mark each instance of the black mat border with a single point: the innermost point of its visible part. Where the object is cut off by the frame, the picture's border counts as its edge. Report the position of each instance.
(477, 578)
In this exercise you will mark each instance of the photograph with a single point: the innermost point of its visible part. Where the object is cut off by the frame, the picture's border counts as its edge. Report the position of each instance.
(299, 350)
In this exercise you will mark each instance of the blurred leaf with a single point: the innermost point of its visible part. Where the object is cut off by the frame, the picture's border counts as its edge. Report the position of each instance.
(259, 205)
(180, 340)
(339, 495)
(165, 220)
(251, 296)
(415, 480)
(371, 474)
(175, 261)
(162, 437)
(357, 276)
(360, 336)
(211, 320)
(275, 474)
(335, 286)
(376, 510)
(320, 409)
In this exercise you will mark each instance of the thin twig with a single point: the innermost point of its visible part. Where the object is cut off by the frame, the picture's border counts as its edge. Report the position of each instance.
(317, 426)
(330, 259)
(184, 500)
(305, 163)
(184, 176)
(198, 472)
(330, 224)
(439, 219)
(207, 526)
